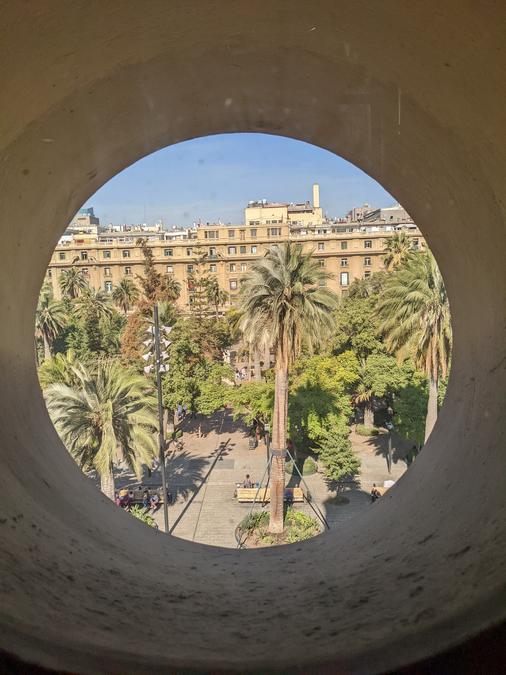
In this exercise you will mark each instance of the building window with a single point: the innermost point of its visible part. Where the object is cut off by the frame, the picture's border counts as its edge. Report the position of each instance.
(368, 243)
(322, 283)
(367, 261)
(128, 271)
(107, 271)
(344, 262)
(212, 268)
(84, 270)
(254, 222)
(233, 284)
(49, 274)
(231, 234)
(211, 234)
(367, 274)
(242, 235)
(62, 255)
(189, 269)
(253, 233)
(344, 246)
(108, 286)
(242, 249)
(321, 245)
(253, 249)
(344, 291)
(274, 232)
(344, 278)
(244, 267)
(168, 252)
(321, 262)
(106, 254)
(231, 267)
(189, 251)
(84, 255)
(170, 269)
(232, 250)
(125, 254)
(212, 251)
(416, 244)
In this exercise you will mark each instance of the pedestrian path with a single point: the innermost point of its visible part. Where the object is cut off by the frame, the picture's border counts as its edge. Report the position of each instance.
(203, 478)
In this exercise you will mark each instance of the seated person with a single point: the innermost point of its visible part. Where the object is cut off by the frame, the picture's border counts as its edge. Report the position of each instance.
(153, 502)
(145, 499)
(247, 482)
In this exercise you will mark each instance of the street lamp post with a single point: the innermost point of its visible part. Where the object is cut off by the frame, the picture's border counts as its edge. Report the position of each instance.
(159, 368)
(390, 428)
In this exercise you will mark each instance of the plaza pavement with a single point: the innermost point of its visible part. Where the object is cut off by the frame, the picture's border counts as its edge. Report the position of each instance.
(204, 474)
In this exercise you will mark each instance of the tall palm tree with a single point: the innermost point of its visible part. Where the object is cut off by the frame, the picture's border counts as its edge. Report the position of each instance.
(415, 319)
(59, 370)
(110, 415)
(364, 394)
(50, 318)
(125, 294)
(284, 303)
(216, 296)
(72, 282)
(93, 303)
(398, 249)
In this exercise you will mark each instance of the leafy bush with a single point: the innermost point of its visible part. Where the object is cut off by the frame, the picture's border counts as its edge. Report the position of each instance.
(143, 515)
(306, 467)
(362, 430)
(253, 521)
(300, 526)
(335, 451)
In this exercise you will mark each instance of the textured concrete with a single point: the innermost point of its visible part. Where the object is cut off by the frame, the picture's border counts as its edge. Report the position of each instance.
(411, 92)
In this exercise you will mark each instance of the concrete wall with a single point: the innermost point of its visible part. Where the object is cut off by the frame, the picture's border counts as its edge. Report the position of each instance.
(422, 570)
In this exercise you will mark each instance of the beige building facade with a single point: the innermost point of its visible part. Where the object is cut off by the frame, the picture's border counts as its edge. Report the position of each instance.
(346, 250)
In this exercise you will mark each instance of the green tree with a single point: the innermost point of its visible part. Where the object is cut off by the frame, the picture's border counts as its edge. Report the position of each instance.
(284, 304)
(157, 287)
(73, 282)
(357, 325)
(335, 451)
(398, 249)
(253, 401)
(415, 318)
(50, 319)
(125, 295)
(379, 377)
(59, 370)
(110, 415)
(216, 296)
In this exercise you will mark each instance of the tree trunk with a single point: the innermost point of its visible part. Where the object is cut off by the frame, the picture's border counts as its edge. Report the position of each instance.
(431, 418)
(107, 484)
(368, 414)
(279, 423)
(256, 367)
(47, 350)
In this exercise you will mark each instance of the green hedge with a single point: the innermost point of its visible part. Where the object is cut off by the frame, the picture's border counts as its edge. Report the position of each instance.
(306, 469)
(362, 430)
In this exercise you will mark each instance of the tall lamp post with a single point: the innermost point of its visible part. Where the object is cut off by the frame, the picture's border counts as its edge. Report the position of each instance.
(160, 367)
(390, 428)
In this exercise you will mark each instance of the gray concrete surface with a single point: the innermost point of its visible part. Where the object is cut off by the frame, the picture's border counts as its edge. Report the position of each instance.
(87, 89)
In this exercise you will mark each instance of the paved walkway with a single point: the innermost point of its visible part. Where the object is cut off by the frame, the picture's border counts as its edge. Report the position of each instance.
(203, 476)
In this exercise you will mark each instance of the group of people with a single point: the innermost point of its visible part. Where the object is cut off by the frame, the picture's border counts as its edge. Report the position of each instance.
(241, 375)
(150, 502)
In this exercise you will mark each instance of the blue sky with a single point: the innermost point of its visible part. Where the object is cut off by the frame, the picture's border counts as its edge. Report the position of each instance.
(214, 177)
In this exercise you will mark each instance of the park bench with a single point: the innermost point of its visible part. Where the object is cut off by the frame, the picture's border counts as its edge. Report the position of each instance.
(136, 493)
(263, 495)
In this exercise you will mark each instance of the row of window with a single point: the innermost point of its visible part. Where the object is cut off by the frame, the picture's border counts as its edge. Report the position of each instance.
(232, 250)
(344, 277)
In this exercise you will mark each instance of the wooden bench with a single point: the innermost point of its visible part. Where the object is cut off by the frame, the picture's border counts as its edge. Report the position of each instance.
(263, 495)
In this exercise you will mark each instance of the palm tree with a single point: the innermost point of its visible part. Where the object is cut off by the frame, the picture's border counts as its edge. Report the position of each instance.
(215, 296)
(364, 394)
(125, 294)
(398, 249)
(50, 318)
(415, 318)
(284, 303)
(59, 370)
(93, 303)
(73, 282)
(110, 415)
